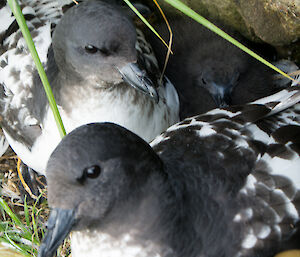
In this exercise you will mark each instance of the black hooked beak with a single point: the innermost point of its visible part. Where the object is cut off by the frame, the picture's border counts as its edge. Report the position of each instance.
(59, 225)
(138, 79)
(220, 93)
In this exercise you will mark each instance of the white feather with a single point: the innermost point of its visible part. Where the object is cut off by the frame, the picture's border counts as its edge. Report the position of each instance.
(92, 244)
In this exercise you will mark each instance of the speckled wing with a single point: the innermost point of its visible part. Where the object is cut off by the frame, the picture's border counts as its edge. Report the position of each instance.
(3, 144)
(148, 62)
(146, 58)
(267, 141)
(17, 69)
(271, 195)
(238, 117)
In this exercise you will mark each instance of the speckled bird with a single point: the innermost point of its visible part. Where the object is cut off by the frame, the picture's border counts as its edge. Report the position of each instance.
(99, 66)
(210, 72)
(225, 183)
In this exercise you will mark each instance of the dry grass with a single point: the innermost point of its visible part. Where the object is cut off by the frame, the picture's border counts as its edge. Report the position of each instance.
(20, 235)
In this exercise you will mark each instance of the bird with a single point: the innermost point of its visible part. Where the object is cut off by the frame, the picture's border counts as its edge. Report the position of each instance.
(100, 68)
(208, 71)
(224, 183)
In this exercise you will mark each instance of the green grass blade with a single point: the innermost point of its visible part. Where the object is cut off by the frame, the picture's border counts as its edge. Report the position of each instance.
(23, 231)
(17, 247)
(34, 225)
(26, 212)
(25, 31)
(13, 216)
(13, 238)
(189, 12)
(145, 21)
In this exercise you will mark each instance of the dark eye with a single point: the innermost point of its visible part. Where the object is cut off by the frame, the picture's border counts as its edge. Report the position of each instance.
(203, 81)
(92, 172)
(91, 49)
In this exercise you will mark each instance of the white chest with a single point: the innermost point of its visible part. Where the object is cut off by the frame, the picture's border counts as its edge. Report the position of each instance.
(128, 108)
(104, 245)
(86, 105)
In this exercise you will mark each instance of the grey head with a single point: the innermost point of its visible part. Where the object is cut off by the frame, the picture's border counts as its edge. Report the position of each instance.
(208, 71)
(95, 41)
(218, 79)
(230, 76)
(91, 173)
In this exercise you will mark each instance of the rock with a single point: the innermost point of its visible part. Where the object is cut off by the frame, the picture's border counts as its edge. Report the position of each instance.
(276, 22)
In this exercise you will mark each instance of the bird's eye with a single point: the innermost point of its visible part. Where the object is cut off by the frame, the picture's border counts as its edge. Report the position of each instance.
(91, 49)
(203, 81)
(92, 172)
(89, 172)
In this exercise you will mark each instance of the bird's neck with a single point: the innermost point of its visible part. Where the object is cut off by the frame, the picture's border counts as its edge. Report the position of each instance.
(142, 207)
(135, 229)
(149, 217)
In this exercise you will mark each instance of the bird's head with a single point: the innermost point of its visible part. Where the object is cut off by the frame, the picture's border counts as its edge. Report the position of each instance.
(96, 41)
(93, 172)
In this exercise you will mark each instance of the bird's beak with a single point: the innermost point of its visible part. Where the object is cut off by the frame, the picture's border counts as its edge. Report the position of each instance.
(221, 100)
(59, 225)
(139, 79)
(221, 93)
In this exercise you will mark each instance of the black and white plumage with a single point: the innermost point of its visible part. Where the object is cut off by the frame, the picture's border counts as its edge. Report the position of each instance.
(210, 72)
(225, 183)
(99, 67)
